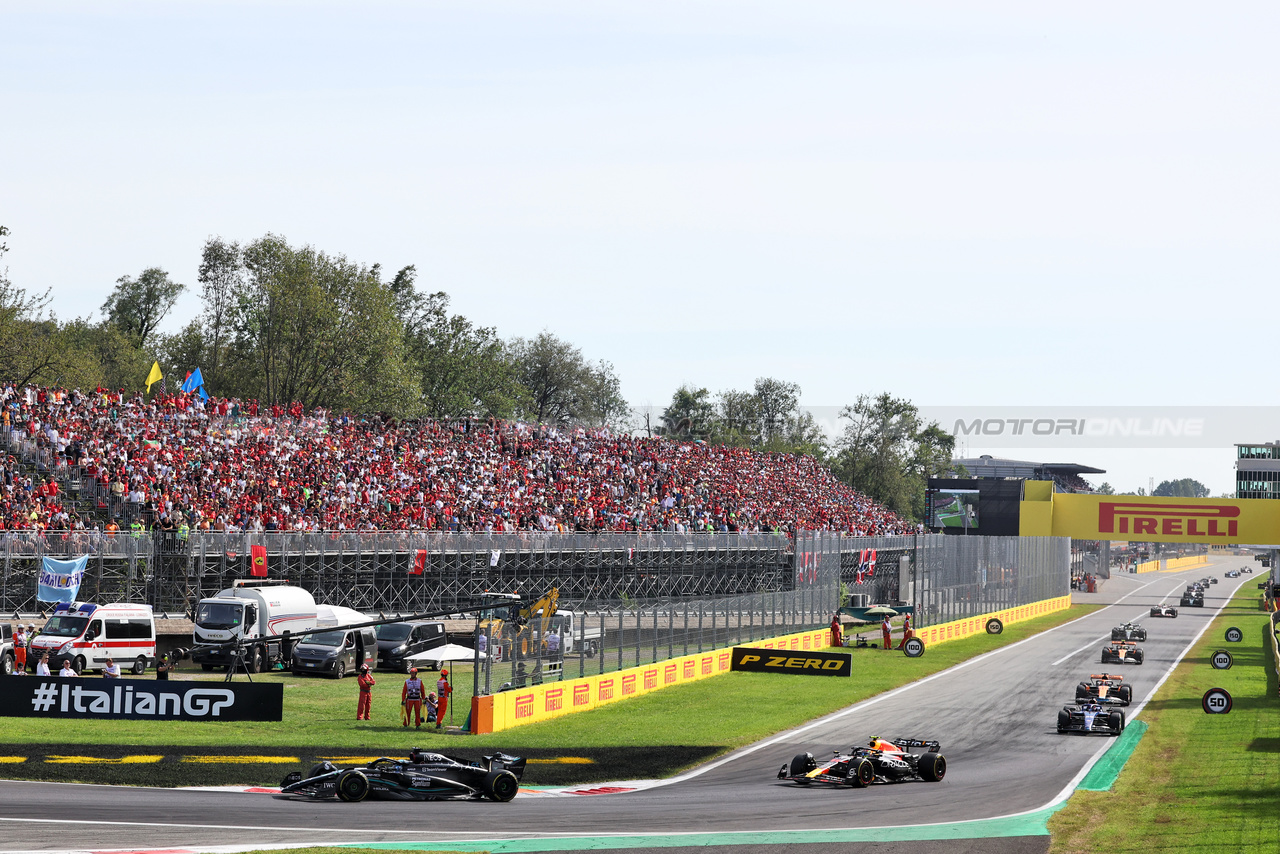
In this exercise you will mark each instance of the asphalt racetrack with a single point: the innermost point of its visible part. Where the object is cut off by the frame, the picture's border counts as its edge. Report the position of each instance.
(994, 715)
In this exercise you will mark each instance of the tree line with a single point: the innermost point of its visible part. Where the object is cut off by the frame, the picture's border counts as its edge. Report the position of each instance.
(281, 323)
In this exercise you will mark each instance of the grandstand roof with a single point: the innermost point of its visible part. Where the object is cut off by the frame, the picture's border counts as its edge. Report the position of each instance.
(989, 466)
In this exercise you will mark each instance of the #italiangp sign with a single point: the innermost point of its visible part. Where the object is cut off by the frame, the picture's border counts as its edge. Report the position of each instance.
(127, 699)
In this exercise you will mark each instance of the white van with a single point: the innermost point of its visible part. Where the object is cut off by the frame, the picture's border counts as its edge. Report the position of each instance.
(86, 635)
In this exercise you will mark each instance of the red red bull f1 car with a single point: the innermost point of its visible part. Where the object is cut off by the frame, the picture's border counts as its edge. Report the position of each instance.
(880, 761)
(425, 776)
(1105, 689)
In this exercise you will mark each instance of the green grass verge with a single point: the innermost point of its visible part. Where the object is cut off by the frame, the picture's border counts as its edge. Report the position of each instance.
(1196, 783)
(655, 735)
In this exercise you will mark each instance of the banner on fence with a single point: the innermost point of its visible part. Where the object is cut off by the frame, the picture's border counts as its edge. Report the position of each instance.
(77, 697)
(762, 660)
(60, 579)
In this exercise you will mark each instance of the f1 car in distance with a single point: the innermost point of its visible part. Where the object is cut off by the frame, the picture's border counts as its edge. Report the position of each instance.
(1104, 689)
(1129, 631)
(1122, 652)
(1091, 717)
(425, 776)
(880, 761)
(1247, 570)
(1191, 599)
(1163, 611)
(1232, 573)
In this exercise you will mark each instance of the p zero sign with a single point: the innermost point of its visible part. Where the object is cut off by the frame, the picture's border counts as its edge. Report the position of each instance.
(1150, 519)
(805, 663)
(128, 699)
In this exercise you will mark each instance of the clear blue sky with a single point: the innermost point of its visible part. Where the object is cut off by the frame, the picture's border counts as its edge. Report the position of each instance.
(959, 203)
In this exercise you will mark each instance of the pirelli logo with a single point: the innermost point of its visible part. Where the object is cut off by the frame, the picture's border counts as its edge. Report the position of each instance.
(650, 679)
(554, 700)
(582, 694)
(628, 684)
(524, 706)
(604, 690)
(1170, 520)
(669, 674)
(690, 670)
(807, 663)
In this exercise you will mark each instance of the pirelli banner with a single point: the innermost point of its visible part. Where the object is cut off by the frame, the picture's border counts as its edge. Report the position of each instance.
(509, 709)
(1149, 519)
(139, 700)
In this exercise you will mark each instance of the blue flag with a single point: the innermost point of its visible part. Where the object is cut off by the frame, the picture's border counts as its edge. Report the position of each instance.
(60, 579)
(193, 381)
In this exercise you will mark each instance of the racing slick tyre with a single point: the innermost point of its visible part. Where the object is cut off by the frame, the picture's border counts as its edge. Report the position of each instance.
(501, 785)
(861, 773)
(1138, 656)
(1064, 720)
(1082, 692)
(802, 764)
(352, 786)
(339, 670)
(1142, 636)
(78, 664)
(1125, 693)
(994, 626)
(1116, 720)
(140, 665)
(932, 767)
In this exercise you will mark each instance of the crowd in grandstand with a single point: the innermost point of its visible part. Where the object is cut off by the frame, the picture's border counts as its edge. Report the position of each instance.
(227, 465)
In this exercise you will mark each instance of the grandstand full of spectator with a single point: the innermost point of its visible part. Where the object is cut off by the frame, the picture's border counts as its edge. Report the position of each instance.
(231, 465)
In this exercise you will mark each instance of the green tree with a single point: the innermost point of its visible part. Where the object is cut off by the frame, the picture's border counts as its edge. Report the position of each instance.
(1184, 488)
(690, 414)
(321, 330)
(223, 293)
(560, 384)
(776, 405)
(887, 452)
(1105, 489)
(462, 369)
(137, 306)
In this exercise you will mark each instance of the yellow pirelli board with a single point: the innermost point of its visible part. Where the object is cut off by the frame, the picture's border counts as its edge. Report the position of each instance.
(1149, 519)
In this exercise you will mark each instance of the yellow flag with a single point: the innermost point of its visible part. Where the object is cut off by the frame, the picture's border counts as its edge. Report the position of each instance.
(155, 376)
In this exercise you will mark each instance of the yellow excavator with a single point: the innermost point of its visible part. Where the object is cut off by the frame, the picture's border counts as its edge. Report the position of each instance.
(521, 627)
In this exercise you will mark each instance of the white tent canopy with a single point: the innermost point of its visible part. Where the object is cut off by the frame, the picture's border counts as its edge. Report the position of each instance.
(448, 652)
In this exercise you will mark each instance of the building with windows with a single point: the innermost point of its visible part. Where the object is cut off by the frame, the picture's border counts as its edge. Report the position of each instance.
(1258, 470)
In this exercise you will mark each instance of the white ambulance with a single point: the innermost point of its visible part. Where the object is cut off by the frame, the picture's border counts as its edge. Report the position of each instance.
(86, 635)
